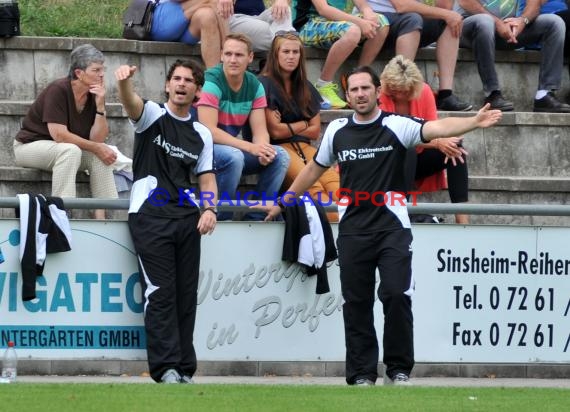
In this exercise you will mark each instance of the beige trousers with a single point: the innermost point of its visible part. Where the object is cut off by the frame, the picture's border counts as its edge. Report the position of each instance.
(64, 160)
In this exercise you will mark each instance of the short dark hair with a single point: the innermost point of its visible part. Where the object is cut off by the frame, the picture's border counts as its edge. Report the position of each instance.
(364, 69)
(197, 70)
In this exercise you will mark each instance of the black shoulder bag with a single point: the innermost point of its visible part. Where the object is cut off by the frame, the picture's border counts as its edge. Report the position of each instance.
(9, 19)
(137, 19)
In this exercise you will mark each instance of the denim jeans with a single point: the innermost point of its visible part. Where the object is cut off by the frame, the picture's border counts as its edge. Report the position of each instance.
(232, 163)
(548, 30)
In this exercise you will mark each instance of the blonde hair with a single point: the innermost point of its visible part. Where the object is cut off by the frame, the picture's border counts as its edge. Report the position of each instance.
(241, 38)
(402, 75)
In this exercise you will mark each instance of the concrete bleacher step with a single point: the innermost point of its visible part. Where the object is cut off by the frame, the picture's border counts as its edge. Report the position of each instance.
(523, 144)
(525, 159)
(29, 63)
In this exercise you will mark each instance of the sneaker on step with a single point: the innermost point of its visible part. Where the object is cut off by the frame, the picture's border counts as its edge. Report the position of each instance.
(186, 379)
(550, 104)
(329, 93)
(498, 102)
(170, 376)
(325, 104)
(399, 379)
(364, 382)
(452, 104)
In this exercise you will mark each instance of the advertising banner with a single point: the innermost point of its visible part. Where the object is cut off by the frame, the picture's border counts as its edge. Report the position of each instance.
(483, 294)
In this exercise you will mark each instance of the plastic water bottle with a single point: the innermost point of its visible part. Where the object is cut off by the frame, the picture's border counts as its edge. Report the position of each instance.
(10, 364)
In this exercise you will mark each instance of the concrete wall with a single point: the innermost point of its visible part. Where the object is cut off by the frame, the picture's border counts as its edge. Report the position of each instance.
(29, 63)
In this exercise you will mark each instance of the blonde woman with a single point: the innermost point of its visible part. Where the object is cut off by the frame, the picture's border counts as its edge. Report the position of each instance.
(405, 92)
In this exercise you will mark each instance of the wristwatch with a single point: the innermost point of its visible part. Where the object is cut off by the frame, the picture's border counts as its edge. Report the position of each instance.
(526, 21)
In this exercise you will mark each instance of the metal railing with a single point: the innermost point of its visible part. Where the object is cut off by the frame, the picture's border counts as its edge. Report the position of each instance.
(430, 208)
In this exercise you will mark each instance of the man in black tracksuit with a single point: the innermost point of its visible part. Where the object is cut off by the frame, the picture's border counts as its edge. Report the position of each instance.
(374, 228)
(165, 222)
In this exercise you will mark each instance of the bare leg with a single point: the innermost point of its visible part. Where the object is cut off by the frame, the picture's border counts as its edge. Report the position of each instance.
(204, 25)
(446, 56)
(373, 46)
(339, 52)
(407, 44)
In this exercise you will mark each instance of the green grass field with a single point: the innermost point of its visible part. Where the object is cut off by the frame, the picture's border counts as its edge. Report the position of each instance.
(72, 18)
(218, 398)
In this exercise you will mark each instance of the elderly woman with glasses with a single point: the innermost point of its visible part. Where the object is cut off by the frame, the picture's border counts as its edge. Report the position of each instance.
(405, 92)
(292, 113)
(66, 127)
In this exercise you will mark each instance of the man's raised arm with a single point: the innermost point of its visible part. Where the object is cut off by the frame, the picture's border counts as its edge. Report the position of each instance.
(132, 102)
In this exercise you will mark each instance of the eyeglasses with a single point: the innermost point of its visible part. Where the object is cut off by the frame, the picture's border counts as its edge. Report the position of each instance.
(285, 33)
(95, 70)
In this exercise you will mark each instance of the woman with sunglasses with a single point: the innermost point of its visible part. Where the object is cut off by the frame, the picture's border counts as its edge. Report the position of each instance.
(292, 113)
(405, 92)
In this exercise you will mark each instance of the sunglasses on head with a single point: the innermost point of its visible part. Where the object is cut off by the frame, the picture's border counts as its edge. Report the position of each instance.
(284, 33)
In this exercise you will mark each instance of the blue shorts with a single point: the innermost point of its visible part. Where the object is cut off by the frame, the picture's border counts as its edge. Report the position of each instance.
(170, 24)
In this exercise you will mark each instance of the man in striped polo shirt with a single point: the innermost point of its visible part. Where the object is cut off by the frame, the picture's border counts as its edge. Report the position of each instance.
(230, 98)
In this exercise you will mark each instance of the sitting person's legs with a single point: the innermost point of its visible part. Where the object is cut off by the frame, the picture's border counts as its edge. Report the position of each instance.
(340, 38)
(565, 16)
(478, 34)
(549, 31)
(431, 161)
(229, 163)
(285, 24)
(405, 33)
(170, 24)
(447, 48)
(323, 190)
(270, 177)
(204, 26)
(258, 30)
(101, 180)
(62, 159)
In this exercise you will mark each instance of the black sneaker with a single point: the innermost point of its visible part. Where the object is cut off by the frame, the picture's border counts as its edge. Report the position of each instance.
(550, 104)
(452, 104)
(498, 102)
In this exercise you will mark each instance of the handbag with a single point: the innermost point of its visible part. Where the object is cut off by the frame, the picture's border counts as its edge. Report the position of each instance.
(9, 19)
(137, 19)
